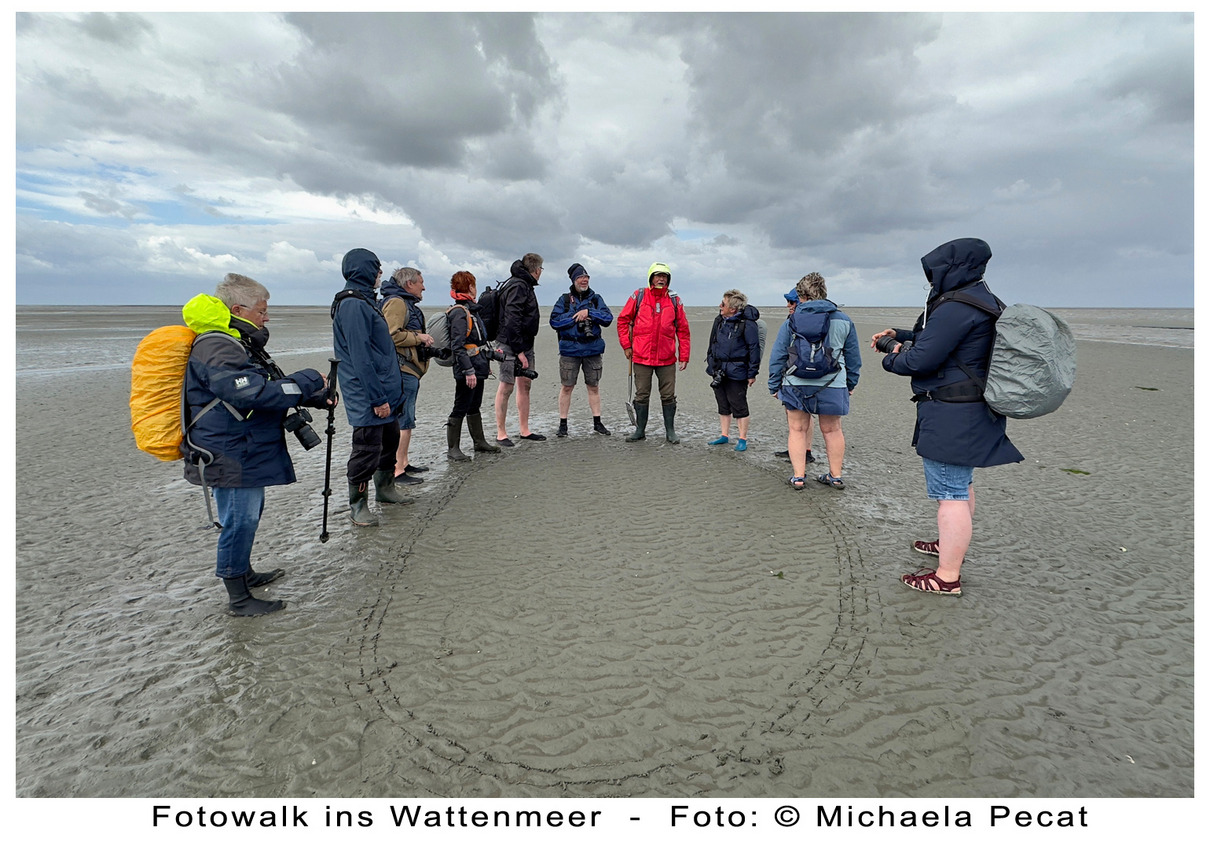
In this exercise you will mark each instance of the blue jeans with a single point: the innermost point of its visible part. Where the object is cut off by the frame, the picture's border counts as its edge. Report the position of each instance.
(947, 482)
(239, 511)
(411, 388)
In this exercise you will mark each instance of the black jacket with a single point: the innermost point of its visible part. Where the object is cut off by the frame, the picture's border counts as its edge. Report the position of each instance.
(519, 316)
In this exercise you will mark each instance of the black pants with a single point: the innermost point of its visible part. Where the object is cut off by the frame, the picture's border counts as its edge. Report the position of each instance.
(373, 450)
(467, 401)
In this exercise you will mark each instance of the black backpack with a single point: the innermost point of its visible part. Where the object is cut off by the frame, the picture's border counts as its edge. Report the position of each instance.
(491, 305)
(811, 356)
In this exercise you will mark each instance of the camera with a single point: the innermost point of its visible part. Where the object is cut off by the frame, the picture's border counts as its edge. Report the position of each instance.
(585, 329)
(886, 344)
(494, 353)
(298, 423)
(428, 352)
(716, 381)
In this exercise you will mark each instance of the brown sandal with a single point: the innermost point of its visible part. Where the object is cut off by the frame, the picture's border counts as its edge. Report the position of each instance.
(926, 580)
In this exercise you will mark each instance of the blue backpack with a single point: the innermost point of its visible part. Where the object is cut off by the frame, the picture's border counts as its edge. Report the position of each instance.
(811, 356)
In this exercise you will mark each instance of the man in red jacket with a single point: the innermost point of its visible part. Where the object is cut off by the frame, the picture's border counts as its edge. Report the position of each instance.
(654, 333)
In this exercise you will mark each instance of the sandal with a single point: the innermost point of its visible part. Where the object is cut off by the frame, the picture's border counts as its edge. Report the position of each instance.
(926, 580)
(828, 479)
(798, 483)
(927, 547)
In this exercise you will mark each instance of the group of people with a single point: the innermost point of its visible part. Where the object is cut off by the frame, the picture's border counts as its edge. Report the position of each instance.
(384, 349)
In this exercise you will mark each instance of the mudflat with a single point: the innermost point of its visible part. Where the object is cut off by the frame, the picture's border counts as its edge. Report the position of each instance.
(590, 617)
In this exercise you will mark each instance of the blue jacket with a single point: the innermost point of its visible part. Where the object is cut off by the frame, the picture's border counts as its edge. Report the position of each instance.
(967, 433)
(572, 341)
(369, 370)
(735, 349)
(842, 339)
(244, 435)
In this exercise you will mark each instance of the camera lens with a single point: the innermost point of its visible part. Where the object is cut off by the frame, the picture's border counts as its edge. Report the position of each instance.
(886, 344)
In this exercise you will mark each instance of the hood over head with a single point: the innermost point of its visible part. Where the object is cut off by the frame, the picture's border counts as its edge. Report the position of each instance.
(749, 312)
(956, 264)
(518, 270)
(360, 268)
(205, 313)
(659, 267)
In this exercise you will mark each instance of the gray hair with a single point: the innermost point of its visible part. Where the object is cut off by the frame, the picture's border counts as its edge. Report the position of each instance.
(240, 290)
(735, 299)
(812, 287)
(532, 262)
(405, 276)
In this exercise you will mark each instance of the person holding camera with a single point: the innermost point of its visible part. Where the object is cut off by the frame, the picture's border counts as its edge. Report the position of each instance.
(733, 361)
(654, 333)
(820, 378)
(578, 318)
(519, 322)
(238, 405)
(471, 368)
(371, 384)
(401, 295)
(956, 431)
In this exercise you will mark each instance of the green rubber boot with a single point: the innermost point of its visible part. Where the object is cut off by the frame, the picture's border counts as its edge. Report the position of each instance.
(640, 422)
(669, 416)
(385, 489)
(474, 423)
(359, 505)
(453, 440)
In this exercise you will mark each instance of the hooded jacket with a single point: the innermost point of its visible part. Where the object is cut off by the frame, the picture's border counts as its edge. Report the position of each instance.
(519, 315)
(405, 321)
(574, 342)
(968, 433)
(243, 436)
(734, 350)
(655, 330)
(369, 370)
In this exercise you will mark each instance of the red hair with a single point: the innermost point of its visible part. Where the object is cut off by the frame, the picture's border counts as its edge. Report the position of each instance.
(462, 282)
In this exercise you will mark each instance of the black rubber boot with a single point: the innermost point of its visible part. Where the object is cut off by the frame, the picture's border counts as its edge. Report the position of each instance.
(474, 423)
(359, 505)
(257, 580)
(385, 490)
(669, 416)
(453, 440)
(244, 604)
(640, 422)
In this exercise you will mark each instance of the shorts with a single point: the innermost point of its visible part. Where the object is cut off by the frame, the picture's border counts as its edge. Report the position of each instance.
(812, 399)
(407, 415)
(569, 370)
(506, 374)
(732, 398)
(947, 482)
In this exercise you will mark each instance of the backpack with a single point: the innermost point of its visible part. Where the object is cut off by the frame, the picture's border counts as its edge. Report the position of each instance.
(1032, 365)
(157, 391)
(491, 303)
(439, 329)
(811, 357)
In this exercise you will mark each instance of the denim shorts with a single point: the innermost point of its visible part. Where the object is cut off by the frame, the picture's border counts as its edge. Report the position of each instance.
(817, 401)
(947, 482)
(407, 415)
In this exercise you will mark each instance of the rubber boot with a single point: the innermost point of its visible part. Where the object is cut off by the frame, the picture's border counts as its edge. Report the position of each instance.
(640, 422)
(257, 580)
(385, 489)
(453, 439)
(359, 505)
(244, 604)
(669, 416)
(474, 423)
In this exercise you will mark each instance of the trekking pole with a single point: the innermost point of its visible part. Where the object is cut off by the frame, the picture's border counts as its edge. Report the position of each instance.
(331, 431)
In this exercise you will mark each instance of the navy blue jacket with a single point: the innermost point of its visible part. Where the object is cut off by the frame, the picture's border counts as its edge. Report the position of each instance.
(735, 349)
(369, 370)
(967, 433)
(249, 444)
(519, 314)
(572, 341)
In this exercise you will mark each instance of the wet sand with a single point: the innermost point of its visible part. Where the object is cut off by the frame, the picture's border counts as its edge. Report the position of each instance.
(588, 617)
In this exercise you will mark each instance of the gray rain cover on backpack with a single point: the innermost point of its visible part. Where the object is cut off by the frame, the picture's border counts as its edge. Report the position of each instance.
(1033, 363)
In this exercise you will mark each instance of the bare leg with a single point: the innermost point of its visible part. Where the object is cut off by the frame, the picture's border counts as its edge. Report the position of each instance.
(523, 404)
(833, 437)
(742, 423)
(800, 425)
(724, 425)
(565, 400)
(401, 452)
(594, 400)
(502, 394)
(954, 528)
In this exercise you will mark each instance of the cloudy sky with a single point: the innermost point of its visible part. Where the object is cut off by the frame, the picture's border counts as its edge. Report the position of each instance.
(156, 152)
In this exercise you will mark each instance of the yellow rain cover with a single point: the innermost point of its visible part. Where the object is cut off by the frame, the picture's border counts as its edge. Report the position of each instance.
(157, 377)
